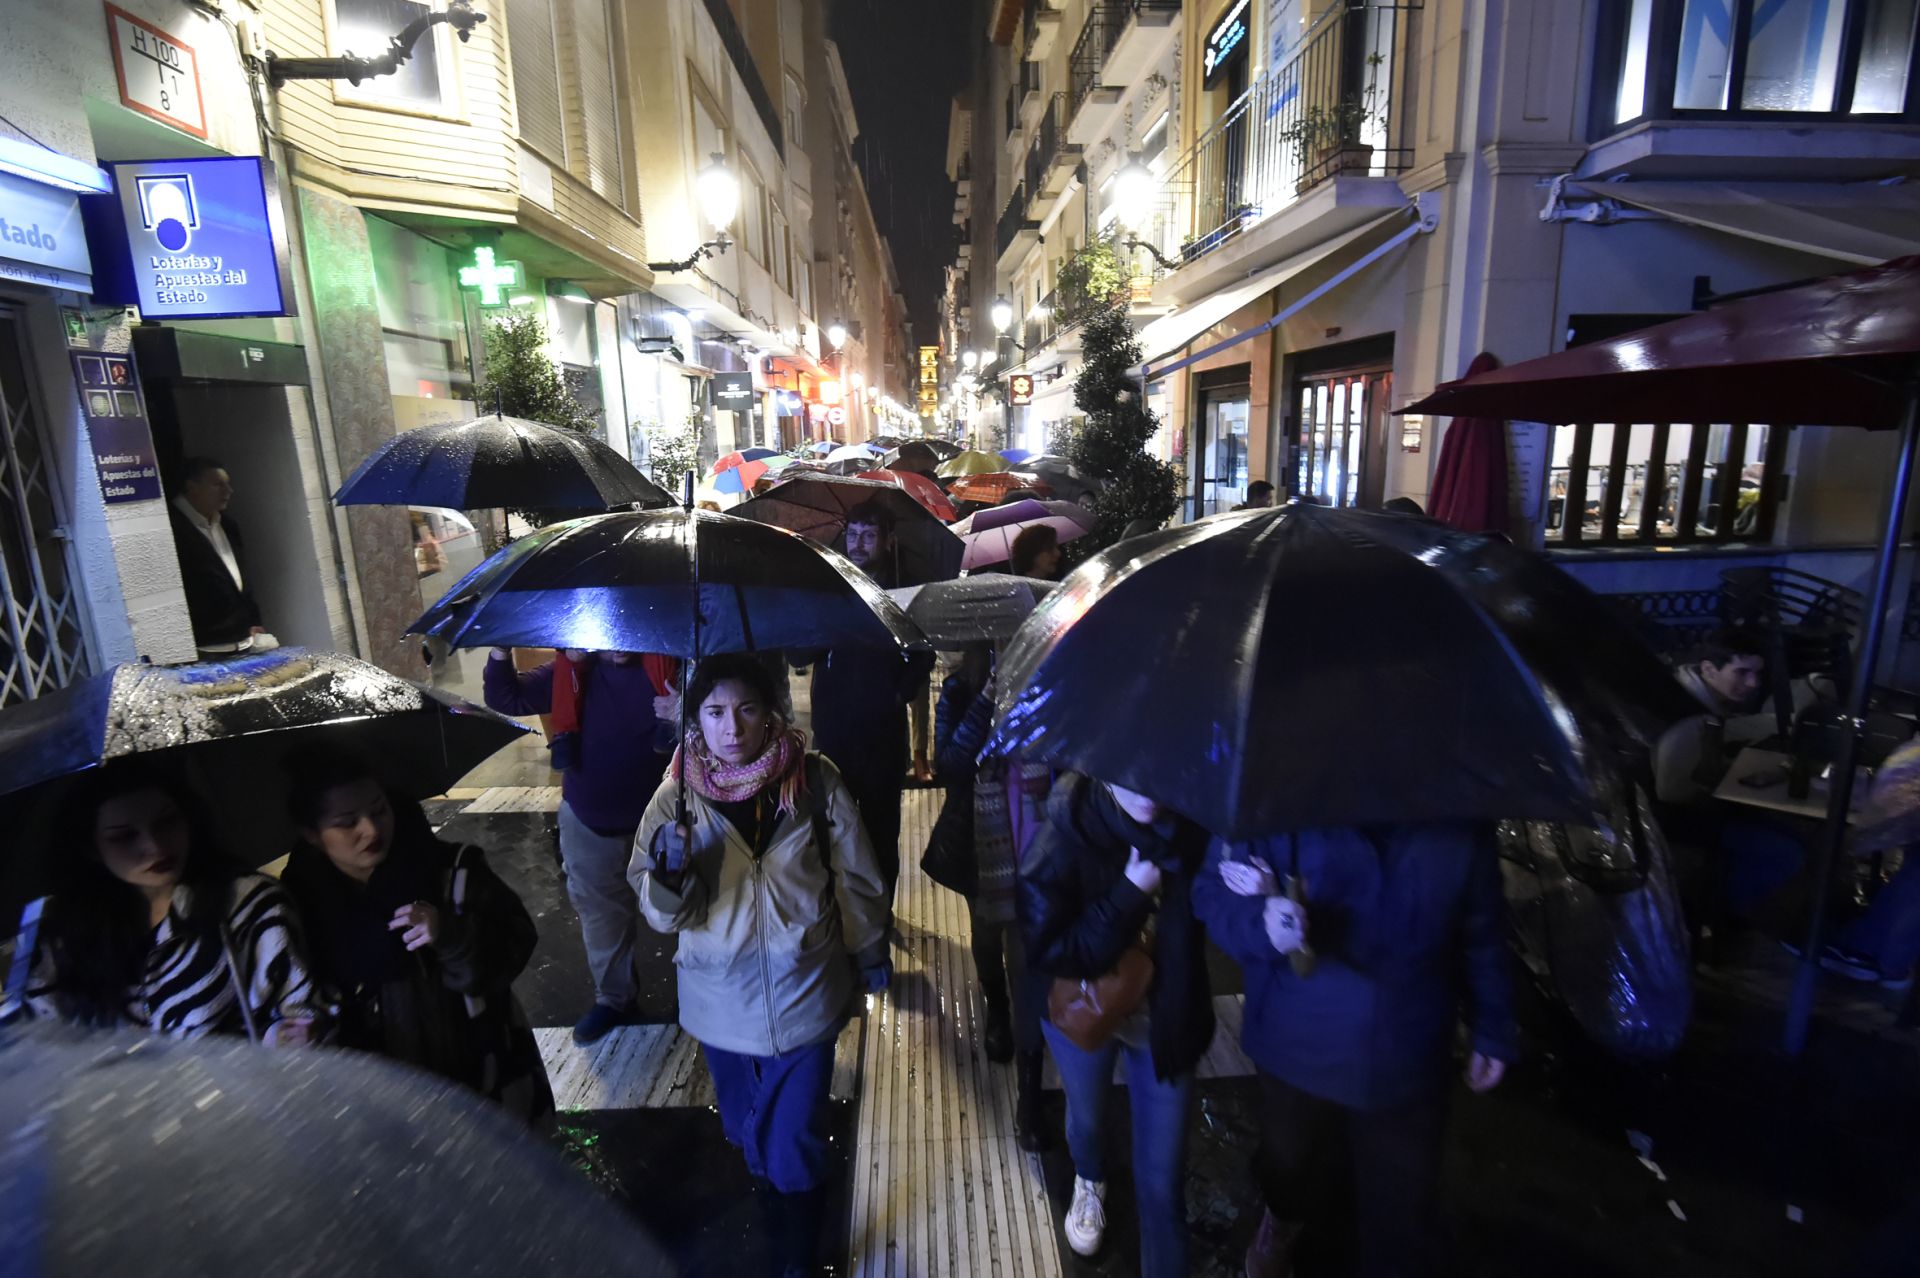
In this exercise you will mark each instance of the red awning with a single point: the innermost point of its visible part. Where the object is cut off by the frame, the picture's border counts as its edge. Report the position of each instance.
(1836, 352)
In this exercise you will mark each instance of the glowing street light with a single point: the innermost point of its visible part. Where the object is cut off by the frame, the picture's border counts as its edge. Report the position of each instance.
(1001, 314)
(970, 360)
(719, 192)
(836, 335)
(1133, 194)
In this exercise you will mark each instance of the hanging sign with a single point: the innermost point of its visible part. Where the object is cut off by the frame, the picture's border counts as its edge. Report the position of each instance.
(116, 416)
(159, 75)
(732, 391)
(191, 239)
(496, 281)
(1020, 390)
(42, 240)
(1227, 42)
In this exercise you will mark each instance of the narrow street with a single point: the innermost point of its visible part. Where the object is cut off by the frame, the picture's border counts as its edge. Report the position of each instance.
(1550, 1170)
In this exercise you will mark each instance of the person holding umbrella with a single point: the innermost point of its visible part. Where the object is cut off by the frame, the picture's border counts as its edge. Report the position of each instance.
(1352, 1000)
(608, 709)
(418, 937)
(1036, 553)
(860, 700)
(752, 853)
(150, 925)
(1105, 901)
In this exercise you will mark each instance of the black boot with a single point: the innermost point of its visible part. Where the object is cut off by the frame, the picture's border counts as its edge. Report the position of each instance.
(998, 1039)
(794, 1233)
(1027, 1127)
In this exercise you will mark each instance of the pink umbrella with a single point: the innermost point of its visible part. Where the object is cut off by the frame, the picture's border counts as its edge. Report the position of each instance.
(918, 487)
(989, 534)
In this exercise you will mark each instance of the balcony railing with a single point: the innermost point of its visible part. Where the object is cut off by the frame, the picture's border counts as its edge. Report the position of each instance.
(1013, 220)
(1332, 110)
(1105, 25)
(1049, 144)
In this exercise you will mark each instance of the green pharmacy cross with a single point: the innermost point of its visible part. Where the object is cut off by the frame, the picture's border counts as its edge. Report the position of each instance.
(494, 279)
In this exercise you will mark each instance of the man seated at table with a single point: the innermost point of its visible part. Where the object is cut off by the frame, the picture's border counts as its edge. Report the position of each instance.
(1739, 859)
(1883, 944)
(1725, 678)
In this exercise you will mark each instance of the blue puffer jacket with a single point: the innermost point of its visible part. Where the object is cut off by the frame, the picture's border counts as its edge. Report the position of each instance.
(1407, 924)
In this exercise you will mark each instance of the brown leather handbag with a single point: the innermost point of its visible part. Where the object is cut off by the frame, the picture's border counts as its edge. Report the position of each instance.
(1089, 1012)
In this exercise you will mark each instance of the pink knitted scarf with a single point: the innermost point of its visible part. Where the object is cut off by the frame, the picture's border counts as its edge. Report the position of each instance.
(722, 782)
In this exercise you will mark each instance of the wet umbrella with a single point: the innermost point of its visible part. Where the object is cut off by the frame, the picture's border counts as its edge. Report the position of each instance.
(1299, 667)
(991, 489)
(1842, 351)
(627, 581)
(864, 453)
(124, 1154)
(989, 534)
(1016, 455)
(1063, 477)
(971, 463)
(498, 461)
(944, 447)
(739, 472)
(917, 486)
(817, 506)
(228, 728)
(979, 608)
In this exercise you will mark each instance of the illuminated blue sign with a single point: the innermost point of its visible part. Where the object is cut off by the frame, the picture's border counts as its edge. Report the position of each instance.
(1227, 42)
(194, 238)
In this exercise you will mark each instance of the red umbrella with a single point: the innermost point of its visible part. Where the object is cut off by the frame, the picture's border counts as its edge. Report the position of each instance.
(1835, 352)
(919, 487)
(1470, 482)
(1842, 351)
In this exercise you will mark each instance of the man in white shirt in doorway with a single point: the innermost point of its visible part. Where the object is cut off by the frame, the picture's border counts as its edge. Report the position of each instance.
(226, 620)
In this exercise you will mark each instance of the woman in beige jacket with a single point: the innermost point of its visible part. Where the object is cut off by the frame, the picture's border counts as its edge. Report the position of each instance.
(782, 915)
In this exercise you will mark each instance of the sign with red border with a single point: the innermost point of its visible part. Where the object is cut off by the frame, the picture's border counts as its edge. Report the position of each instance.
(1020, 390)
(159, 76)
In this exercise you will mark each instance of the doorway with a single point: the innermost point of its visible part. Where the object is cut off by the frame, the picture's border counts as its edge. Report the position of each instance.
(42, 631)
(1340, 400)
(1220, 473)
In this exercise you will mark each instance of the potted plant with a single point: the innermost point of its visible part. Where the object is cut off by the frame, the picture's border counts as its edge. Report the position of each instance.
(1325, 138)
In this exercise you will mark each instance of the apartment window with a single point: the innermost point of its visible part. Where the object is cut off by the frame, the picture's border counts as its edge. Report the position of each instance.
(709, 135)
(367, 27)
(796, 111)
(1756, 59)
(593, 29)
(1663, 483)
(782, 255)
(753, 214)
(536, 77)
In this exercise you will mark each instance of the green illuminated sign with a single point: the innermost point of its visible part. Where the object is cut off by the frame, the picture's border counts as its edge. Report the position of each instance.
(495, 280)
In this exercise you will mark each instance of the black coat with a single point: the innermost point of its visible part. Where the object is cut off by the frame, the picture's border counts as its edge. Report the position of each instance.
(1079, 912)
(222, 612)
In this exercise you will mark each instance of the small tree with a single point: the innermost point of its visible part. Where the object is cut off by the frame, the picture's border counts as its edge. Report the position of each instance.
(1090, 281)
(673, 451)
(1110, 443)
(522, 380)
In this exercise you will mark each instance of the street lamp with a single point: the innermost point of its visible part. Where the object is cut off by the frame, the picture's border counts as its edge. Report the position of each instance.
(970, 359)
(1001, 314)
(718, 191)
(1133, 189)
(836, 335)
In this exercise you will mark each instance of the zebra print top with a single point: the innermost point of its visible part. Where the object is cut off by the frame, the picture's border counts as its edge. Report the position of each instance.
(188, 991)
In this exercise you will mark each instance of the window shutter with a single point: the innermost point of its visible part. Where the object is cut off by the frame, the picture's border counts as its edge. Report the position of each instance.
(536, 77)
(599, 103)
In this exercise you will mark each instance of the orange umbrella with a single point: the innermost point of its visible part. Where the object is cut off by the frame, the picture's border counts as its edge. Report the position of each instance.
(991, 490)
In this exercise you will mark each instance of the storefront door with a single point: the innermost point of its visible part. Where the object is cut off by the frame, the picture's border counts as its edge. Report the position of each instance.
(1340, 429)
(42, 634)
(1220, 471)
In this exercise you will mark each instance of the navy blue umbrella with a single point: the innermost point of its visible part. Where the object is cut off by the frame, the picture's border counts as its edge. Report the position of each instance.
(498, 461)
(628, 581)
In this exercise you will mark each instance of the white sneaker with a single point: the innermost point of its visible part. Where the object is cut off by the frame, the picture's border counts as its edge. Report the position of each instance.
(1087, 1216)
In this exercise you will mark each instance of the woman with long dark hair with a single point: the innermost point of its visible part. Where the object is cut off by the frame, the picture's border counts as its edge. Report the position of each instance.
(419, 939)
(150, 926)
(781, 911)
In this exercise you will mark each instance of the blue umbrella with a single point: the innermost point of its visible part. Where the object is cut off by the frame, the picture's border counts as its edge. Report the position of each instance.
(627, 581)
(498, 461)
(1016, 454)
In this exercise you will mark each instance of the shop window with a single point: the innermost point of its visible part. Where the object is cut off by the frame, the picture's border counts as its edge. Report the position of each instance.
(1755, 59)
(1663, 483)
(423, 321)
(367, 27)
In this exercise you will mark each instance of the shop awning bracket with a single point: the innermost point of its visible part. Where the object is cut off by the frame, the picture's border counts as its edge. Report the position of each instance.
(1425, 219)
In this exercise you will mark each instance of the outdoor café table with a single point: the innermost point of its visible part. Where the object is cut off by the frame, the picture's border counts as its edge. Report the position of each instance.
(1757, 760)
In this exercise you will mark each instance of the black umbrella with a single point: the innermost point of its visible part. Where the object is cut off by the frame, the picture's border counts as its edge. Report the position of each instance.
(817, 506)
(1289, 669)
(1067, 480)
(498, 461)
(627, 581)
(123, 1154)
(227, 729)
(982, 607)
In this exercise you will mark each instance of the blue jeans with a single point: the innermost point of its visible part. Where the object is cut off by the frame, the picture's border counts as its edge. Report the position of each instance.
(1159, 1140)
(1889, 932)
(774, 1111)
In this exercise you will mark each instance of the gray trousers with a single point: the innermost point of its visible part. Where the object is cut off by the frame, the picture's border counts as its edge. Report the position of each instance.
(609, 911)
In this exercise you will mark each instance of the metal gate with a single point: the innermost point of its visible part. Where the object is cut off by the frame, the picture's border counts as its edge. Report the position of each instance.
(42, 635)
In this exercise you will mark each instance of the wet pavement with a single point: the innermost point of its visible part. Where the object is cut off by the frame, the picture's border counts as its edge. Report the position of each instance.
(1724, 1161)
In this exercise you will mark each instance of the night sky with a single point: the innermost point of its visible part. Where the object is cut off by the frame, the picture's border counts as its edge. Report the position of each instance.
(905, 60)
